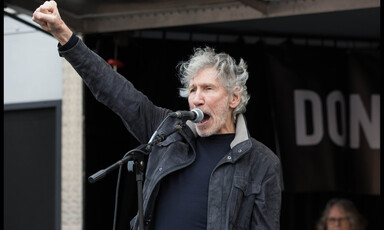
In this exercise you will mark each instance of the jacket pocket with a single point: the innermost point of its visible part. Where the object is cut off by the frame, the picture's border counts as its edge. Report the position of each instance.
(241, 202)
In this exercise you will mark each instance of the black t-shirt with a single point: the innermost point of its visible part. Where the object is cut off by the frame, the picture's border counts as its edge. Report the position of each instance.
(183, 196)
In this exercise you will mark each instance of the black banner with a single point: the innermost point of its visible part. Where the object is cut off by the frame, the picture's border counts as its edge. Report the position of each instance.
(327, 114)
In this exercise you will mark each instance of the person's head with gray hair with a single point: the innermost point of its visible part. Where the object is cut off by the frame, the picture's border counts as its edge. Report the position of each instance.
(230, 75)
(340, 214)
(233, 76)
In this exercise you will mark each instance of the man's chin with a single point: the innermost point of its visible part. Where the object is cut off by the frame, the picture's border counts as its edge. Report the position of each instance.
(204, 132)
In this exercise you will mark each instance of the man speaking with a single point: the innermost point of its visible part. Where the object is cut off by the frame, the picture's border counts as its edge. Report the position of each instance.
(210, 174)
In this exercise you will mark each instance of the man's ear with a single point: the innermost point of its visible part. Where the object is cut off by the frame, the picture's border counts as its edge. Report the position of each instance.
(235, 100)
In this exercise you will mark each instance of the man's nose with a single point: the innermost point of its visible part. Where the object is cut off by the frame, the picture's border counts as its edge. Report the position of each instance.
(198, 99)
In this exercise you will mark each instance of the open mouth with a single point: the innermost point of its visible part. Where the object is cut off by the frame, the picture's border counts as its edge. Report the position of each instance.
(206, 118)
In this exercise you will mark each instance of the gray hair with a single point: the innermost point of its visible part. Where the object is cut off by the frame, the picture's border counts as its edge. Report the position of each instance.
(357, 221)
(233, 76)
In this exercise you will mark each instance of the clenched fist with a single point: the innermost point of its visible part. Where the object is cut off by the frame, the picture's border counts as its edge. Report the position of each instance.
(48, 17)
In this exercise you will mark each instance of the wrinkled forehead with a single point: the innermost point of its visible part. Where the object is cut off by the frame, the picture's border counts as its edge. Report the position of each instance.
(205, 76)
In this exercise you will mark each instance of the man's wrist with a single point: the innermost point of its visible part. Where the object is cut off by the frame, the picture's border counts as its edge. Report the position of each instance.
(65, 34)
(69, 44)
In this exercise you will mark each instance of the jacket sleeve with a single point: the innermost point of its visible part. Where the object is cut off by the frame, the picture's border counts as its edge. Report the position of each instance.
(137, 112)
(266, 213)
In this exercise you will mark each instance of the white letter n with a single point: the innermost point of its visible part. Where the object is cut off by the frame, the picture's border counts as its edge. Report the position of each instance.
(359, 116)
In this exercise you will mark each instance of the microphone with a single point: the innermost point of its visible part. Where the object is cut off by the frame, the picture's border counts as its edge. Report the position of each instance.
(195, 115)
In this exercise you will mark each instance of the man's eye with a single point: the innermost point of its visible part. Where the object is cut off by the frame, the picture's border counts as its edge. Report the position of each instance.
(192, 90)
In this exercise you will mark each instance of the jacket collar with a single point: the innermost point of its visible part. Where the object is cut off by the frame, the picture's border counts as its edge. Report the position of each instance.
(241, 130)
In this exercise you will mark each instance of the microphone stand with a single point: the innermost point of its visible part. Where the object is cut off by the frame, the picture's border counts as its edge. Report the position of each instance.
(137, 155)
(139, 159)
(129, 156)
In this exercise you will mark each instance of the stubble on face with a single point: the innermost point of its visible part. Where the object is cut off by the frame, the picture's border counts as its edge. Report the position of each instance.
(209, 95)
(219, 121)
